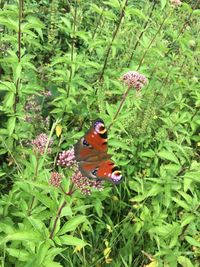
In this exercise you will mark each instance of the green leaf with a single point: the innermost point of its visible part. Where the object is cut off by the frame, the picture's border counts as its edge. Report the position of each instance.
(72, 241)
(181, 203)
(96, 8)
(11, 125)
(18, 71)
(66, 211)
(50, 263)
(22, 236)
(42, 252)
(165, 154)
(192, 241)
(37, 224)
(163, 3)
(9, 100)
(189, 218)
(184, 261)
(148, 154)
(72, 224)
(138, 13)
(20, 254)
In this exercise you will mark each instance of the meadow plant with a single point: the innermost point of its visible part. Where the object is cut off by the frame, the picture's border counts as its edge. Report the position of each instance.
(60, 66)
(41, 143)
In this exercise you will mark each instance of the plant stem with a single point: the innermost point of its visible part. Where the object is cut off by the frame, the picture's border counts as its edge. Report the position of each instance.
(120, 106)
(72, 48)
(71, 191)
(98, 24)
(141, 34)
(56, 219)
(140, 63)
(34, 179)
(19, 54)
(110, 46)
(183, 27)
(151, 42)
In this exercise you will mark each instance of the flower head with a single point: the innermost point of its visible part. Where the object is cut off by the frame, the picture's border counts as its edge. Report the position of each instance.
(134, 79)
(55, 179)
(32, 104)
(46, 93)
(85, 184)
(40, 142)
(66, 158)
(176, 2)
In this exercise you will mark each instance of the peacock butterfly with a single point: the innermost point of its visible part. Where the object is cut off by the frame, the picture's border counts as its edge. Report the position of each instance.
(92, 157)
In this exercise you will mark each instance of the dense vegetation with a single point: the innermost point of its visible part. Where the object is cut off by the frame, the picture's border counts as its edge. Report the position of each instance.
(62, 65)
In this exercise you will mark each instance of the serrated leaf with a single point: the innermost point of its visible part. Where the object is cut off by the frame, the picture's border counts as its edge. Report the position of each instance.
(72, 224)
(181, 203)
(22, 236)
(165, 154)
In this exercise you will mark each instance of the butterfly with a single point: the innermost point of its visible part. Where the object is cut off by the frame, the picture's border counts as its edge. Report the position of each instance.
(91, 154)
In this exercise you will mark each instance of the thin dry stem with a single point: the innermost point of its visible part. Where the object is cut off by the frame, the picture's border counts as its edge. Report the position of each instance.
(72, 48)
(110, 46)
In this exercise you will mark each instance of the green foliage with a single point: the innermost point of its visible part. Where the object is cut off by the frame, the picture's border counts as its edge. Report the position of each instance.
(78, 50)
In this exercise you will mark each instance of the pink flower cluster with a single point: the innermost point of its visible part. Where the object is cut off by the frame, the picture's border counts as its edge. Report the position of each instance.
(85, 184)
(134, 79)
(55, 179)
(32, 104)
(46, 93)
(39, 144)
(176, 2)
(66, 158)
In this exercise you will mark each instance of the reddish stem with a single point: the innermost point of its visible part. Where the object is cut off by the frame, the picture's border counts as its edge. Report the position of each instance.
(19, 53)
(69, 193)
(57, 217)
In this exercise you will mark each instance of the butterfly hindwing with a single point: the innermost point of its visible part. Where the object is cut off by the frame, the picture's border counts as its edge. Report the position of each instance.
(92, 157)
(104, 170)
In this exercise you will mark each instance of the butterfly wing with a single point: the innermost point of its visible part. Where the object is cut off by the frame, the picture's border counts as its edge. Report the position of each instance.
(93, 144)
(104, 170)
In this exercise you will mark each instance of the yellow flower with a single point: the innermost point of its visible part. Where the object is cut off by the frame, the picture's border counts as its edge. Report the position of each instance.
(154, 263)
(107, 252)
(77, 249)
(109, 228)
(58, 130)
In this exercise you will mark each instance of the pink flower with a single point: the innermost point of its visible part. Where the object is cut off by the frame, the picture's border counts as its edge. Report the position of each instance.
(55, 179)
(85, 184)
(66, 158)
(32, 104)
(39, 144)
(46, 93)
(176, 2)
(134, 79)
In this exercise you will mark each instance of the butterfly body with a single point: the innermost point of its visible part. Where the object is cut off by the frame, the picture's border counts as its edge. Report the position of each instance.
(92, 157)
